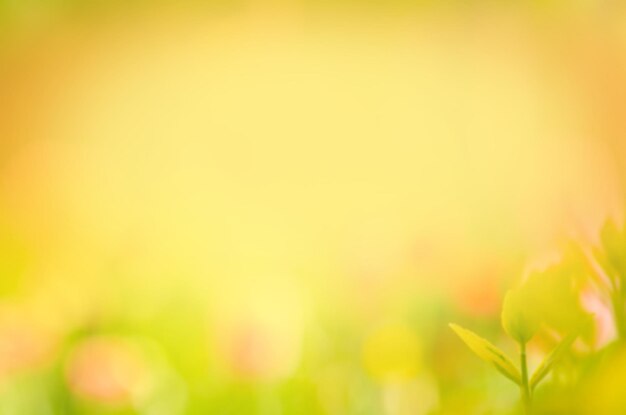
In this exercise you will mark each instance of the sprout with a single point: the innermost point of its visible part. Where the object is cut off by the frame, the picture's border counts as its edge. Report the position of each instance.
(524, 310)
(520, 319)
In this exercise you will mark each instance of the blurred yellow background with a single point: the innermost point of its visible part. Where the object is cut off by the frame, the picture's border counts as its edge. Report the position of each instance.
(263, 188)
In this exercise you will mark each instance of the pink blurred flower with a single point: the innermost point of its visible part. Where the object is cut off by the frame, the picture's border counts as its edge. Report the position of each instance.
(24, 344)
(107, 369)
(605, 330)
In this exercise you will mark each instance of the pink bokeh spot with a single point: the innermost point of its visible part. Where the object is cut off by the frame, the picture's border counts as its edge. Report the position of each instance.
(603, 318)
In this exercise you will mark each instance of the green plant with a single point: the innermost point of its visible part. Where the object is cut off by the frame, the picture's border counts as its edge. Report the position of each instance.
(524, 310)
(607, 267)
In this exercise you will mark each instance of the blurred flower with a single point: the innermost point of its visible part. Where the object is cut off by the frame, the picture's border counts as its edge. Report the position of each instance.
(606, 265)
(253, 352)
(107, 369)
(259, 330)
(603, 318)
(24, 343)
(479, 296)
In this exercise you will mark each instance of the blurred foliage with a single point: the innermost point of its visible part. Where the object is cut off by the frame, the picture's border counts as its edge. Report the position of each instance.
(113, 364)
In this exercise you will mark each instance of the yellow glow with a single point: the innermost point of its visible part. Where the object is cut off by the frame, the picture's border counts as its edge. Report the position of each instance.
(296, 195)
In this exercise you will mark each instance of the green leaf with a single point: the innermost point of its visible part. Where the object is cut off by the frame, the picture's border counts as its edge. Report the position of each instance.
(545, 366)
(488, 352)
(553, 295)
(520, 318)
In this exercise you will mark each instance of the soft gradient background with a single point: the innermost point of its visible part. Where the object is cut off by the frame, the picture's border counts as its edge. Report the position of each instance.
(274, 207)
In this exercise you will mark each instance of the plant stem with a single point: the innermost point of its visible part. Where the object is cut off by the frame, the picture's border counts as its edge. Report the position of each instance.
(525, 389)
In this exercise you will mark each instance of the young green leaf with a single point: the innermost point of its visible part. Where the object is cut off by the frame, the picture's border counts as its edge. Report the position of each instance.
(545, 366)
(552, 296)
(520, 318)
(488, 352)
